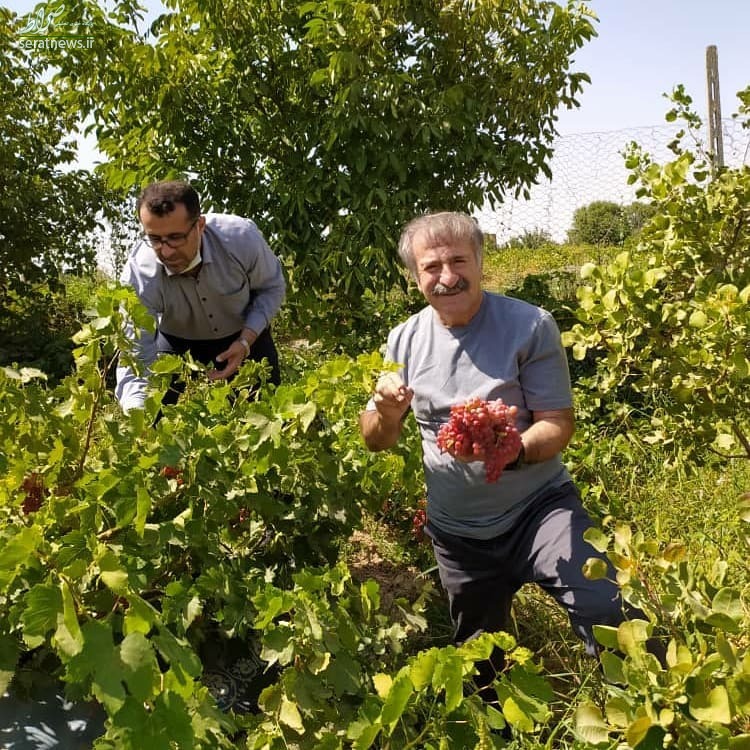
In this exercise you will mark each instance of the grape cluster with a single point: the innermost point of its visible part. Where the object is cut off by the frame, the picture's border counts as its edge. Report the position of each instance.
(33, 486)
(418, 522)
(172, 472)
(482, 431)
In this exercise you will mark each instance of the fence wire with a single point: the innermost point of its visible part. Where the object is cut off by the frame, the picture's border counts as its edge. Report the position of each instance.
(589, 167)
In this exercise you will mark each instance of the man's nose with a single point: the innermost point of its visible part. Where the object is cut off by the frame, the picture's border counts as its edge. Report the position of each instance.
(448, 277)
(165, 251)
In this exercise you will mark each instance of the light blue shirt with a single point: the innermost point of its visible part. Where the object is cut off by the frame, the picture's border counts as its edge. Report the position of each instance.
(240, 285)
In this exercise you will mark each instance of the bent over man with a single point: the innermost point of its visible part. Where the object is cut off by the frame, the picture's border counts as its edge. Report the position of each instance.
(211, 283)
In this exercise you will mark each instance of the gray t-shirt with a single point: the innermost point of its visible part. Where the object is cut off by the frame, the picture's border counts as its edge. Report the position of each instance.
(510, 350)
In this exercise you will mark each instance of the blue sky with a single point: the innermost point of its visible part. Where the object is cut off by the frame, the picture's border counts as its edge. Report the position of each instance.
(644, 48)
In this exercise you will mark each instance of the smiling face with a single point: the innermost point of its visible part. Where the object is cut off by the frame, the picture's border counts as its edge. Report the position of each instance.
(181, 232)
(449, 276)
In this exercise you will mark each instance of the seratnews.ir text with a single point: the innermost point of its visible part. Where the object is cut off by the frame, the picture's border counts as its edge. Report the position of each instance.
(52, 42)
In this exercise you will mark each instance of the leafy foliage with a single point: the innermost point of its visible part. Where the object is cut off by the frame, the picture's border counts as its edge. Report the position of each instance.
(330, 123)
(530, 239)
(671, 318)
(608, 223)
(46, 208)
(693, 691)
(37, 327)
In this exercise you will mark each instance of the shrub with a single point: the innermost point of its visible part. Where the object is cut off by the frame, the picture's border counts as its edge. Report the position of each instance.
(608, 223)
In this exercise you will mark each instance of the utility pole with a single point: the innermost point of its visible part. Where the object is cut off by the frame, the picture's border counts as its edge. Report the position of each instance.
(715, 138)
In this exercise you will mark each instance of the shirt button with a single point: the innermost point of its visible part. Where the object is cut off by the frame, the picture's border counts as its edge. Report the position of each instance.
(210, 315)
(203, 298)
(215, 329)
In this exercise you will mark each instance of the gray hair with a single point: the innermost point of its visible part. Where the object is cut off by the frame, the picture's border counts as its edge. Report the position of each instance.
(446, 227)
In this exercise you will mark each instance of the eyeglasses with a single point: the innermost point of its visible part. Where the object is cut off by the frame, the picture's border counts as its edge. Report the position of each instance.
(173, 240)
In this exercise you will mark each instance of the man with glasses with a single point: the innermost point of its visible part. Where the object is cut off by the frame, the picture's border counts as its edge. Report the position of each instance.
(211, 283)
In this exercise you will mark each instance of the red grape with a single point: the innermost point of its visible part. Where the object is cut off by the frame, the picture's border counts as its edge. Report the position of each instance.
(482, 431)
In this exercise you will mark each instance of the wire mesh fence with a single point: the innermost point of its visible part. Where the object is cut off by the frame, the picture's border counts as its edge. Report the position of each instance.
(589, 167)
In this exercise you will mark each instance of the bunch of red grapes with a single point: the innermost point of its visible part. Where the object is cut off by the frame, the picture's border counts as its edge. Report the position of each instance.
(418, 521)
(482, 430)
(33, 486)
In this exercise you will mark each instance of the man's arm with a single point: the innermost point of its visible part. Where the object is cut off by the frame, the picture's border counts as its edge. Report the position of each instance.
(381, 427)
(131, 389)
(549, 434)
(266, 279)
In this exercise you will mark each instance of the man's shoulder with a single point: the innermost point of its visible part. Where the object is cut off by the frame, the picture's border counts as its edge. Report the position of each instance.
(413, 323)
(229, 226)
(512, 308)
(505, 303)
(141, 265)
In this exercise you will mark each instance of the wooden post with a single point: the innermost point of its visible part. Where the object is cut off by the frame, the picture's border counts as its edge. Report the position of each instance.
(715, 138)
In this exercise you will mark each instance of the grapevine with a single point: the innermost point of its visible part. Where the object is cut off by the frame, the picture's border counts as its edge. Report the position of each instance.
(482, 431)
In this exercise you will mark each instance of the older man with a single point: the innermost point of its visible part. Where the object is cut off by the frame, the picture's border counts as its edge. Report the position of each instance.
(211, 283)
(489, 538)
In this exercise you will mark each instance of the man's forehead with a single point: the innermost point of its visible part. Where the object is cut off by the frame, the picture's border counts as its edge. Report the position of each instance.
(426, 242)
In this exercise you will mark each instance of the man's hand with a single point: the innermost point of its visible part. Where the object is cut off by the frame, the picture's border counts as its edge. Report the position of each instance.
(392, 398)
(233, 356)
(381, 426)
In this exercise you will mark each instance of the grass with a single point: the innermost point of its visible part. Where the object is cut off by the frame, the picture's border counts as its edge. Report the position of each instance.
(507, 268)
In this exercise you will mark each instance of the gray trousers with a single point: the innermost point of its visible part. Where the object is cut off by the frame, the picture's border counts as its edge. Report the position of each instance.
(545, 546)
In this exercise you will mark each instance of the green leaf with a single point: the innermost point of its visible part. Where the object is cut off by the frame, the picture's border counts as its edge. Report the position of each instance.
(596, 538)
(619, 712)
(382, 683)
(728, 602)
(142, 509)
(422, 668)
(698, 319)
(712, 706)
(343, 674)
(396, 702)
(43, 603)
(112, 574)
(290, 715)
(68, 635)
(142, 674)
(606, 635)
(516, 717)
(589, 724)
(613, 668)
(631, 635)
(637, 731)
(99, 660)
(17, 551)
(449, 676)
(595, 569)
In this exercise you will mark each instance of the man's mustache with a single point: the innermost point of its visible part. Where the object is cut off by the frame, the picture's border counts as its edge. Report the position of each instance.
(459, 286)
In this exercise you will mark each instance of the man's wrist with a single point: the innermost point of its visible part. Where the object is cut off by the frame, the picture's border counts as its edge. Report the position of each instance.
(245, 343)
(519, 461)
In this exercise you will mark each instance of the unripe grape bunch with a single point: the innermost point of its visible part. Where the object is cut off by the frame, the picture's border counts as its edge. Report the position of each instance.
(482, 431)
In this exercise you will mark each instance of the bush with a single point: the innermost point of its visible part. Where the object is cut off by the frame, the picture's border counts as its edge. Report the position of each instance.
(36, 329)
(608, 223)
(531, 239)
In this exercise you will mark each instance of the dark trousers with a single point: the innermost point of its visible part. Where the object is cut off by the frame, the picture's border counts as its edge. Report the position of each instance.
(206, 351)
(546, 547)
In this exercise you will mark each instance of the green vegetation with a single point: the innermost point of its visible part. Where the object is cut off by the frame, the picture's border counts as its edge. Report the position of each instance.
(608, 223)
(126, 541)
(47, 208)
(331, 122)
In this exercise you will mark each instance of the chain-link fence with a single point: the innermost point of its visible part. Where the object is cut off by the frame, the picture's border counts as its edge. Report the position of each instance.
(589, 167)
